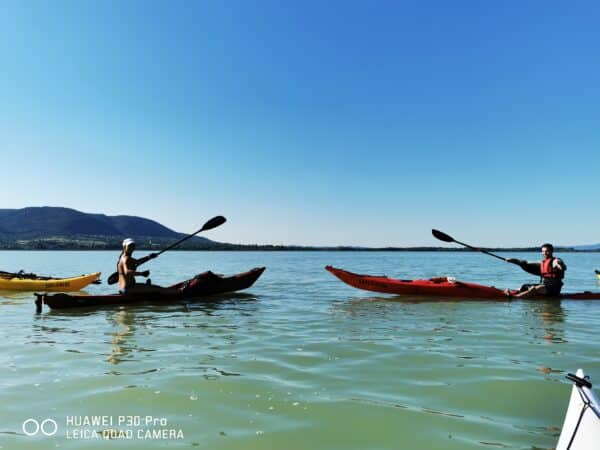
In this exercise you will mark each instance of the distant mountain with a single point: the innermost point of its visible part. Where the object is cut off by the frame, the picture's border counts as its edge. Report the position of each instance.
(51, 227)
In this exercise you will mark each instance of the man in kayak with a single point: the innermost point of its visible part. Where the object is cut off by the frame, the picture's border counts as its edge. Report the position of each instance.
(126, 267)
(551, 271)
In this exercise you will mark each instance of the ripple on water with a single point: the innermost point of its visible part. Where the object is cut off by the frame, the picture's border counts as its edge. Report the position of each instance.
(305, 361)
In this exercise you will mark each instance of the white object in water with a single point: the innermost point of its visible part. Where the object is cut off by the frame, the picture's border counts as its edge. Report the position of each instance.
(581, 428)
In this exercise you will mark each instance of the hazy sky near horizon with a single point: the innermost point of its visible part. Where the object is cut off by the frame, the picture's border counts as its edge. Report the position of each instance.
(309, 122)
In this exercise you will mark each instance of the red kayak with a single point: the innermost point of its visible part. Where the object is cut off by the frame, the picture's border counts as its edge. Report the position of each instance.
(442, 287)
(201, 285)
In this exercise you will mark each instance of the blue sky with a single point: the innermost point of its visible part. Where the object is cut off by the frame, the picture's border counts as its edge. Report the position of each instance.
(312, 123)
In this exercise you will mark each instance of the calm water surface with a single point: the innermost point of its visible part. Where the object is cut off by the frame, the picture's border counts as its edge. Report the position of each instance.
(300, 361)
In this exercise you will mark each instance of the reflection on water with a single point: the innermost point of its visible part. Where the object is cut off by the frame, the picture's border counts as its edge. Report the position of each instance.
(7, 296)
(552, 316)
(550, 313)
(19, 297)
(124, 320)
(361, 307)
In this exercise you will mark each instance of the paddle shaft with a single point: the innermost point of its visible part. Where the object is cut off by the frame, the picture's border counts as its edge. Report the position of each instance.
(177, 243)
(481, 250)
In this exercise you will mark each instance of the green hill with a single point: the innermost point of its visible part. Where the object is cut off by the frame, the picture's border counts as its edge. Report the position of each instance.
(65, 228)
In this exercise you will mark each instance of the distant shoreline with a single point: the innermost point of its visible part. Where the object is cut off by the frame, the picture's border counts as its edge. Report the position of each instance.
(281, 248)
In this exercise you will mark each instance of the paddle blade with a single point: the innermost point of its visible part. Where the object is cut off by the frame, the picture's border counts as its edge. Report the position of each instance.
(441, 236)
(214, 223)
(113, 278)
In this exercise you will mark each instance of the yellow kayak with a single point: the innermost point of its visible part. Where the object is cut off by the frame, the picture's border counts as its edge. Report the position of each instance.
(47, 285)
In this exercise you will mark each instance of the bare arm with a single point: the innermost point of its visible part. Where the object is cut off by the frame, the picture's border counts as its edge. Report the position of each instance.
(145, 259)
(129, 267)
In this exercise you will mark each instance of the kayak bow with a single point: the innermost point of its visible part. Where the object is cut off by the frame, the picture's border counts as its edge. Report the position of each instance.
(442, 287)
(581, 427)
(201, 285)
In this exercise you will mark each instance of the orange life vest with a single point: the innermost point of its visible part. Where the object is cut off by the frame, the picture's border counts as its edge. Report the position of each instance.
(548, 271)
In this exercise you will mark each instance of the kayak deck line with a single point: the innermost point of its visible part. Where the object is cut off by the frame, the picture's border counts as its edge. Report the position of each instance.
(438, 287)
(21, 275)
(201, 285)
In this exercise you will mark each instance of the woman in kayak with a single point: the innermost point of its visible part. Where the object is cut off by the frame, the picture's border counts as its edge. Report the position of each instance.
(551, 272)
(126, 267)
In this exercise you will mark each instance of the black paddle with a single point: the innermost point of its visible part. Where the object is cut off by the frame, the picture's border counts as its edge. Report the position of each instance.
(212, 223)
(446, 238)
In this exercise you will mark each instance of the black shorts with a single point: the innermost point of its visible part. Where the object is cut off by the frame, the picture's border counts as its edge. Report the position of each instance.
(553, 286)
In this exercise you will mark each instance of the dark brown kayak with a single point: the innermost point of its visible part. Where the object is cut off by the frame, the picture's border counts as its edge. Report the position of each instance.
(201, 285)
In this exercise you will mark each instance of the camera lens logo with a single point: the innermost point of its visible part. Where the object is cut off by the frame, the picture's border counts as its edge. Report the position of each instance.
(47, 427)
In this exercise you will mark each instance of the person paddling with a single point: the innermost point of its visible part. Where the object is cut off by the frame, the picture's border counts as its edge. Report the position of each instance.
(551, 271)
(126, 268)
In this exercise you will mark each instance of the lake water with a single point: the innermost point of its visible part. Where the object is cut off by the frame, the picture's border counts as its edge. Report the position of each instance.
(300, 362)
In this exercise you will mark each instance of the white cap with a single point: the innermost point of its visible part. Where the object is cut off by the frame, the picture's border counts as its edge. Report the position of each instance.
(128, 241)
